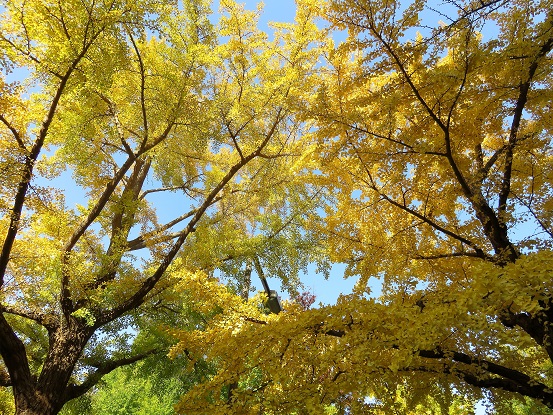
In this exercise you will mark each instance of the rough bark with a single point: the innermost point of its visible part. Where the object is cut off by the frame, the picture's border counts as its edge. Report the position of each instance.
(46, 394)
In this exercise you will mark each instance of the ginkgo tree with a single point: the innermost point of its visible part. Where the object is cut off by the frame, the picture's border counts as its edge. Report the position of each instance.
(434, 144)
(105, 106)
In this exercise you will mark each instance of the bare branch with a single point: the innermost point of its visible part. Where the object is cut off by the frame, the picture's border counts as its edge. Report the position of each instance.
(28, 54)
(164, 189)
(141, 241)
(122, 221)
(528, 205)
(142, 85)
(408, 79)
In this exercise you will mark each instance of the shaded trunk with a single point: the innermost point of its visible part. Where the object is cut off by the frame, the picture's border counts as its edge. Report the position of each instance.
(35, 404)
(47, 394)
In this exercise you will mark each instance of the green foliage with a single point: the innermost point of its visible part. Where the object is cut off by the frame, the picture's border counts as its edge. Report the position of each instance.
(133, 391)
(137, 99)
(522, 406)
(7, 406)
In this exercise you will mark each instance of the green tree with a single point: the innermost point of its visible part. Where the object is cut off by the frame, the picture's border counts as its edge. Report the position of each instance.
(135, 99)
(131, 390)
(123, 393)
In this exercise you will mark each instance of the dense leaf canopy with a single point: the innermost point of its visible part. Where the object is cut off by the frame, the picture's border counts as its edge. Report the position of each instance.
(434, 147)
(155, 160)
(135, 144)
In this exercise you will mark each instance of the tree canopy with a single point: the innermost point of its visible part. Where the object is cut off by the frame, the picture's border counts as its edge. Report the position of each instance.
(434, 147)
(134, 99)
(417, 153)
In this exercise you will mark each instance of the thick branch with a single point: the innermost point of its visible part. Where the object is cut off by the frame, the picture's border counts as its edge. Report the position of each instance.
(498, 376)
(534, 325)
(44, 320)
(14, 356)
(103, 368)
(509, 379)
(485, 365)
(122, 221)
(448, 255)
(147, 285)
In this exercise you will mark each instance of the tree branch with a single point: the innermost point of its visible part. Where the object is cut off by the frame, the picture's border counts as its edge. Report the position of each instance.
(65, 298)
(478, 251)
(15, 134)
(140, 242)
(46, 320)
(14, 355)
(538, 326)
(118, 124)
(142, 85)
(166, 189)
(103, 368)
(5, 379)
(30, 160)
(449, 255)
(147, 285)
(522, 99)
(122, 221)
(509, 379)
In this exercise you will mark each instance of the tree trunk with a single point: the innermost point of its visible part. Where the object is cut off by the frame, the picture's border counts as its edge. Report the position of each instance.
(36, 404)
(47, 394)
